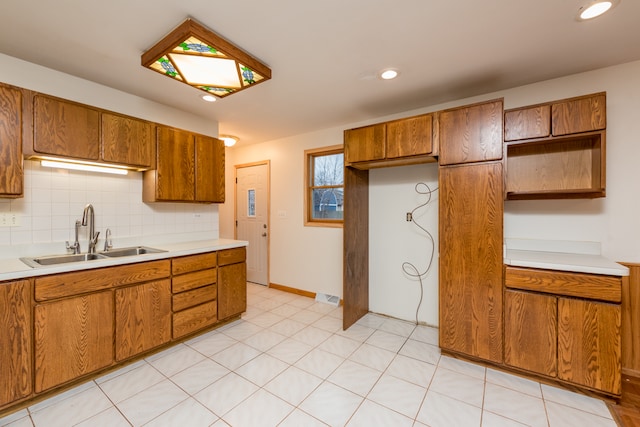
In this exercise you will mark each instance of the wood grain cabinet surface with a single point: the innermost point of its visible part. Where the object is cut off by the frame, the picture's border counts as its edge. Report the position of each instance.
(126, 140)
(195, 291)
(556, 150)
(553, 330)
(73, 337)
(11, 164)
(470, 268)
(143, 318)
(471, 133)
(189, 168)
(232, 282)
(65, 128)
(16, 356)
(398, 142)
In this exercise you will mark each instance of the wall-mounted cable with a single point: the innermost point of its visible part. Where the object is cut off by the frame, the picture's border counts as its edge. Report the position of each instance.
(408, 268)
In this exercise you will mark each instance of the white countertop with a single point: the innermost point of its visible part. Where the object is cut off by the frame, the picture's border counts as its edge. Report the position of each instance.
(13, 268)
(579, 257)
(579, 263)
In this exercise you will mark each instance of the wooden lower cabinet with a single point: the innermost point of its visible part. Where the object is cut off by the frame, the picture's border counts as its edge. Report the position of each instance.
(143, 318)
(589, 344)
(232, 282)
(550, 331)
(16, 375)
(471, 269)
(530, 332)
(73, 337)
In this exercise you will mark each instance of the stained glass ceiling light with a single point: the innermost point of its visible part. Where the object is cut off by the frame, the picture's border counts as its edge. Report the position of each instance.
(195, 55)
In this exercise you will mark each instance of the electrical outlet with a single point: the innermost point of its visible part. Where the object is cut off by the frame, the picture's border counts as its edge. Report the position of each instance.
(9, 219)
(409, 217)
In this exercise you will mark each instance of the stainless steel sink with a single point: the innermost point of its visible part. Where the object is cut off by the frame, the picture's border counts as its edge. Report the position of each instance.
(59, 259)
(132, 251)
(65, 259)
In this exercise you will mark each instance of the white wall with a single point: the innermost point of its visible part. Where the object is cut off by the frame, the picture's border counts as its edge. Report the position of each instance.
(54, 199)
(298, 251)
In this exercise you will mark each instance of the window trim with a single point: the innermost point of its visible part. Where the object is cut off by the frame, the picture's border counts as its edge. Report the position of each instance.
(308, 155)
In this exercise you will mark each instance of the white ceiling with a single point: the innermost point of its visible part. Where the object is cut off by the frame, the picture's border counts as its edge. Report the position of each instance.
(324, 53)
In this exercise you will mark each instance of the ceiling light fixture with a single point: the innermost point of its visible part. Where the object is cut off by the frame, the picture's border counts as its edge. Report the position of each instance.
(229, 140)
(595, 9)
(84, 167)
(209, 98)
(195, 55)
(388, 74)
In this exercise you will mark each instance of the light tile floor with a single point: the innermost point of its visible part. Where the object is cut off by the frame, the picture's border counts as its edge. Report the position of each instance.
(287, 362)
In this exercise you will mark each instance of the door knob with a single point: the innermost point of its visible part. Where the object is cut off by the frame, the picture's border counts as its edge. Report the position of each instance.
(264, 234)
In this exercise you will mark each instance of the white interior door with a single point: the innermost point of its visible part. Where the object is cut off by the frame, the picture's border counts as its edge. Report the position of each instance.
(252, 218)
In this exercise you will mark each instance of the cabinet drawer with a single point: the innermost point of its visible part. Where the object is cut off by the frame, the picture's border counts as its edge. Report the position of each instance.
(529, 122)
(232, 256)
(192, 319)
(195, 280)
(193, 263)
(581, 285)
(79, 282)
(194, 297)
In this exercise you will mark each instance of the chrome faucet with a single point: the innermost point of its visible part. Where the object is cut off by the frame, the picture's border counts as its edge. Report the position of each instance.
(76, 244)
(88, 218)
(108, 244)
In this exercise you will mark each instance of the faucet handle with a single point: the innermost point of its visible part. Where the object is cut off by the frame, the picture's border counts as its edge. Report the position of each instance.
(108, 244)
(94, 240)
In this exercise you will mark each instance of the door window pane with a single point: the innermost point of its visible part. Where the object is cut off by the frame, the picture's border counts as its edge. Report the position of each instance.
(251, 202)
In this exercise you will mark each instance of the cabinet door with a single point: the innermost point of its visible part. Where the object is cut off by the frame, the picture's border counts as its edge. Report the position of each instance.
(65, 128)
(232, 290)
(526, 123)
(209, 179)
(365, 144)
(471, 134)
(143, 318)
(583, 114)
(15, 341)
(589, 344)
(530, 332)
(11, 172)
(470, 268)
(175, 165)
(73, 337)
(410, 137)
(126, 140)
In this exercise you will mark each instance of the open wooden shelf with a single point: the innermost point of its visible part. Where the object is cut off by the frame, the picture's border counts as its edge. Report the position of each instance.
(556, 167)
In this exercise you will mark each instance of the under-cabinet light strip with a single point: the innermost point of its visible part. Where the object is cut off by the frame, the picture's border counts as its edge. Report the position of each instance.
(83, 167)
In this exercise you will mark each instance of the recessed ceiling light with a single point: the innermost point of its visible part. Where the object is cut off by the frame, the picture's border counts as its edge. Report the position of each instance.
(388, 74)
(209, 98)
(595, 9)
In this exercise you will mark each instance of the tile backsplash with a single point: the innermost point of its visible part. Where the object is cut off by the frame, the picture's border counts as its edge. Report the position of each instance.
(55, 198)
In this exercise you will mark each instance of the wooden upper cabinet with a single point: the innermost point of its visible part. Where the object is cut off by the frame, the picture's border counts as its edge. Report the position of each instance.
(209, 169)
(410, 137)
(64, 128)
(175, 165)
(398, 142)
(582, 114)
(126, 140)
(11, 164)
(528, 122)
(365, 144)
(471, 133)
(189, 168)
